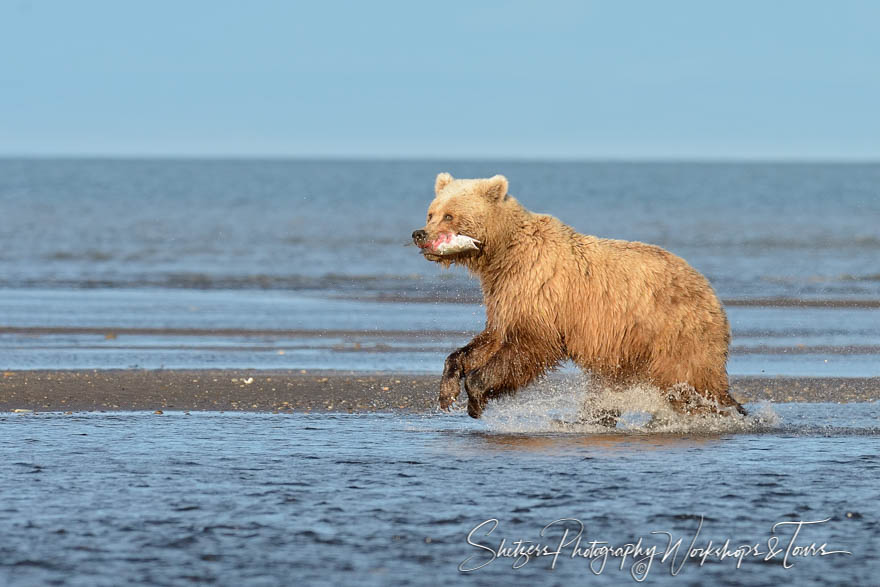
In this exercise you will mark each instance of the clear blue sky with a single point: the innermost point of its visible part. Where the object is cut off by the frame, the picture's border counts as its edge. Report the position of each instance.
(614, 79)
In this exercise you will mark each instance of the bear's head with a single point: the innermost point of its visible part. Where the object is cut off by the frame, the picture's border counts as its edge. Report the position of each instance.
(467, 207)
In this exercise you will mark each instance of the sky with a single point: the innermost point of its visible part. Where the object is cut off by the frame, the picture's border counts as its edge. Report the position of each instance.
(618, 79)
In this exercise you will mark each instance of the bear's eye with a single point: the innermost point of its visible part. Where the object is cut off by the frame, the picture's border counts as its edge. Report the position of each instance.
(448, 218)
(430, 216)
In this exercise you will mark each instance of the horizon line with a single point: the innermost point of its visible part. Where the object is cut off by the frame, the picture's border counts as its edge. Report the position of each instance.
(868, 160)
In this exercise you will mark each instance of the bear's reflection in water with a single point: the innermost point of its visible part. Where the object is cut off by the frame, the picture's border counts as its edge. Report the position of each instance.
(572, 443)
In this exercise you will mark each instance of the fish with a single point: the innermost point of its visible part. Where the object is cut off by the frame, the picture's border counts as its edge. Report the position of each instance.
(448, 244)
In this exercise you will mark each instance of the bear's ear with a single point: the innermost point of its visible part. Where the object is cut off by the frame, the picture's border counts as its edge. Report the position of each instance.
(495, 188)
(443, 180)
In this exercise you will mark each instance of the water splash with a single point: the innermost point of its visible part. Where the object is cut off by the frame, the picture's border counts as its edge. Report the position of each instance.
(575, 404)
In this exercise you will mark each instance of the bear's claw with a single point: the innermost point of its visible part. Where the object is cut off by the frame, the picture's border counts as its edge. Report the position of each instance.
(449, 390)
(446, 402)
(475, 410)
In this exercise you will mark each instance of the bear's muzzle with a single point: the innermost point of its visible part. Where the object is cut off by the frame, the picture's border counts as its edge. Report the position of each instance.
(420, 238)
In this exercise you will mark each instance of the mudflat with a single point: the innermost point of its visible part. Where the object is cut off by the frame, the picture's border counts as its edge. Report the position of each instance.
(328, 391)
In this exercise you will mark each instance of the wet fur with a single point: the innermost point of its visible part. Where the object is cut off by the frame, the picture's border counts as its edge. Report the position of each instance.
(626, 311)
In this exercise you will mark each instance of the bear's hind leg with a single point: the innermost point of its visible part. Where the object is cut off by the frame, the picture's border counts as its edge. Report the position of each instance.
(717, 390)
(725, 399)
(684, 399)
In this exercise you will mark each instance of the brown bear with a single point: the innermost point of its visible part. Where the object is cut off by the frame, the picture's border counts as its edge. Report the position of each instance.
(627, 312)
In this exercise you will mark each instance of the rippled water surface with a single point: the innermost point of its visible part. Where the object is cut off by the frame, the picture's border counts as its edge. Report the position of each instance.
(260, 499)
(797, 230)
(305, 265)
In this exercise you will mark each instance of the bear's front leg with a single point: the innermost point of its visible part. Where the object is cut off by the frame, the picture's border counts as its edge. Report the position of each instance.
(468, 357)
(479, 391)
(450, 384)
(511, 367)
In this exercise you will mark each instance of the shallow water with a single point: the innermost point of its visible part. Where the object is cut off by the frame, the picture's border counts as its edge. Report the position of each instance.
(260, 499)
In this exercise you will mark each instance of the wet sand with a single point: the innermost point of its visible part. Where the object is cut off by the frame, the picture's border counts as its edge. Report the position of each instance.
(302, 391)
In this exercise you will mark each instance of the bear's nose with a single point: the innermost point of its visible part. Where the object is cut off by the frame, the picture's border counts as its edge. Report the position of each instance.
(419, 236)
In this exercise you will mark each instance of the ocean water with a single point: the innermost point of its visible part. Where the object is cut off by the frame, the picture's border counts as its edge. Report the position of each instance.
(308, 263)
(756, 230)
(380, 499)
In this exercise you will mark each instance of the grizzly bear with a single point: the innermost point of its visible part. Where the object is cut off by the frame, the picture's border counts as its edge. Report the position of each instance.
(627, 312)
